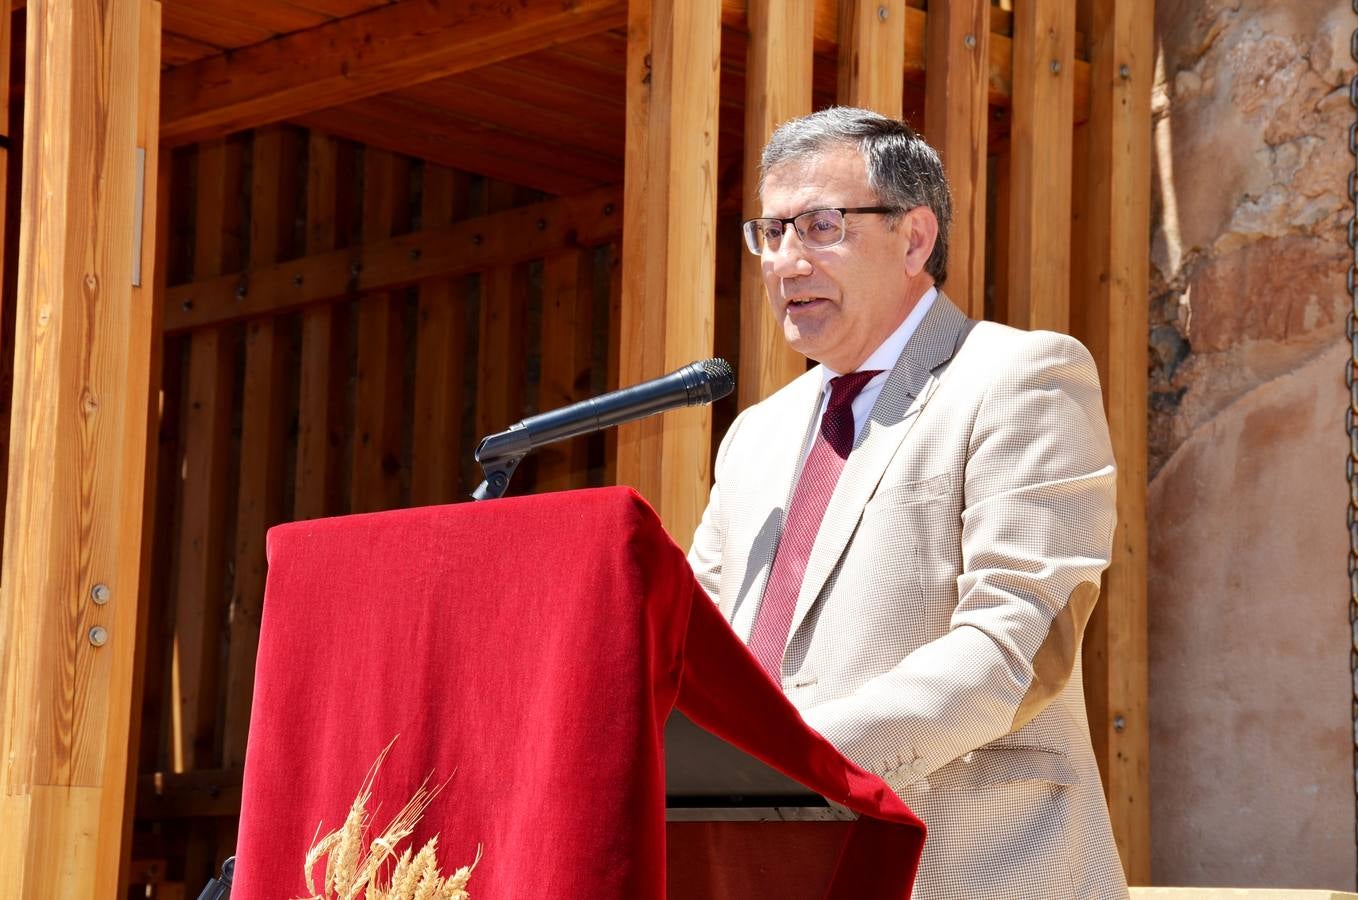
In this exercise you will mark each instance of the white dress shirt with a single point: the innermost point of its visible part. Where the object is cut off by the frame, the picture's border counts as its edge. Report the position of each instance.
(884, 358)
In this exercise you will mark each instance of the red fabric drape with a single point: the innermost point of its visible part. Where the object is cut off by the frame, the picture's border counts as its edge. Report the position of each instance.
(531, 649)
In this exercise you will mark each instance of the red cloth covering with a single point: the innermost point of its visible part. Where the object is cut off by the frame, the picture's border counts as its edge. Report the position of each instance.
(531, 649)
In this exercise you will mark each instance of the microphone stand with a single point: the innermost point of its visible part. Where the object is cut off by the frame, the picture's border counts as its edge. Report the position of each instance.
(500, 454)
(497, 471)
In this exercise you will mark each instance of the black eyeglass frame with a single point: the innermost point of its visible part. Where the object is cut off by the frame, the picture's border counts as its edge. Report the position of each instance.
(751, 237)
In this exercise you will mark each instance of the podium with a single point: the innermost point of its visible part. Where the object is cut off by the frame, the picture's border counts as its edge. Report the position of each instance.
(529, 652)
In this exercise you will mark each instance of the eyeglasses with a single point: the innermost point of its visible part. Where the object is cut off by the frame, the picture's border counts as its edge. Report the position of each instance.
(817, 228)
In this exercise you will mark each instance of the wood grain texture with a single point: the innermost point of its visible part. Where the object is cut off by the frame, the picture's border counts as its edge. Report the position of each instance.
(362, 56)
(78, 466)
(259, 497)
(956, 118)
(502, 338)
(777, 88)
(668, 245)
(493, 240)
(872, 36)
(317, 489)
(999, 65)
(1112, 243)
(421, 130)
(1039, 165)
(440, 347)
(199, 592)
(375, 479)
(567, 308)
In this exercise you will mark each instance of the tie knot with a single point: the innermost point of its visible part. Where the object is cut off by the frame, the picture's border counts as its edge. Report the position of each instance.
(844, 388)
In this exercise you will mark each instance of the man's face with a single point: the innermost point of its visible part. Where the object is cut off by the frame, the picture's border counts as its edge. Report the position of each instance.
(838, 304)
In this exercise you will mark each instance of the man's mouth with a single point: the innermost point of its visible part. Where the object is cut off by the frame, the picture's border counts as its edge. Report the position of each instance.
(797, 302)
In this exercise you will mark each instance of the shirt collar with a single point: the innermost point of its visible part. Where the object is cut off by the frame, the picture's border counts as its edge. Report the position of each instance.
(890, 350)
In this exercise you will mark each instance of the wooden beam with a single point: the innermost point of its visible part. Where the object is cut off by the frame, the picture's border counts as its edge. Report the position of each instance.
(320, 402)
(375, 481)
(1040, 165)
(364, 55)
(206, 793)
(567, 308)
(999, 66)
(73, 554)
(147, 707)
(956, 117)
(501, 334)
(872, 55)
(199, 596)
(517, 235)
(777, 88)
(1112, 243)
(421, 131)
(259, 503)
(440, 350)
(669, 235)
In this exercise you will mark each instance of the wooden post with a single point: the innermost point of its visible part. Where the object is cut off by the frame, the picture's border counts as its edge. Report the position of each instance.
(375, 483)
(319, 401)
(1039, 164)
(82, 397)
(1112, 243)
(668, 252)
(259, 503)
(567, 307)
(777, 88)
(872, 55)
(955, 122)
(199, 593)
(440, 346)
(504, 303)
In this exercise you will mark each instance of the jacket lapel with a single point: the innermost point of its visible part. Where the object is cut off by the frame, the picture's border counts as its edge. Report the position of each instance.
(904, 395)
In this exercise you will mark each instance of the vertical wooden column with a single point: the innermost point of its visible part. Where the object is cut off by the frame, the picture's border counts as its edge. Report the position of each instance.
(375, 480)
(872, 55)
(567, 307)
(199, 591)
(956, 117)
(82, 394)
(1039, 165)
(319, 403)
(1112, 244)
(439, 346)
(504, 304)
(777, 88)
(668, 243)
(259, 503)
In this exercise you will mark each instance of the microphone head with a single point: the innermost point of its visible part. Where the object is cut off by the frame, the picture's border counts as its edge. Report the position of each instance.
(719, 380)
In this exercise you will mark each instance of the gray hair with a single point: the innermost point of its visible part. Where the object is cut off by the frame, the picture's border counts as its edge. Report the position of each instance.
(903, 170)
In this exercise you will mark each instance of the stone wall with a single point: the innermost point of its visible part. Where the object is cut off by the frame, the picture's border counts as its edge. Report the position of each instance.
(1252, 778)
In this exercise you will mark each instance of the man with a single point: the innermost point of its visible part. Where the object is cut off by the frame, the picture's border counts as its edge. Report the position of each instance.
(914, 553)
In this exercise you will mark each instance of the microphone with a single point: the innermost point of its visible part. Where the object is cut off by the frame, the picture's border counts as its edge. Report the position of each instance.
(695, 384)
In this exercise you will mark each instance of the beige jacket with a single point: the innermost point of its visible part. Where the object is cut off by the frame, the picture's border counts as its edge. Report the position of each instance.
(936, 637)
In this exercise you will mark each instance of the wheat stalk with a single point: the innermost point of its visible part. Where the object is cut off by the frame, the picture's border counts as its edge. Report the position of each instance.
(354, 866)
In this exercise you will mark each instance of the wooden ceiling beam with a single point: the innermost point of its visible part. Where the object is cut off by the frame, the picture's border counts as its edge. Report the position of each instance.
(386, 48)
(448, 139)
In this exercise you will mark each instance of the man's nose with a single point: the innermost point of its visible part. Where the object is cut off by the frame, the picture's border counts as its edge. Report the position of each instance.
(789, 259)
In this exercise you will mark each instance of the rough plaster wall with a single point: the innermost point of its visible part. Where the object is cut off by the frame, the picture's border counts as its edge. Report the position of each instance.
(1251, 758)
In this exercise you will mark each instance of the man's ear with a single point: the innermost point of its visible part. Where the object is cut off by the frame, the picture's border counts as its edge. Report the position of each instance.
(920, 228)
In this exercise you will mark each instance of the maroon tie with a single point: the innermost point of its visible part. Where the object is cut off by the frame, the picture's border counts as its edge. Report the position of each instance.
(831, 448)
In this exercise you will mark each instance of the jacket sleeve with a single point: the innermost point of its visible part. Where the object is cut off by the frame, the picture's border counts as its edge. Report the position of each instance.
(1037, 527)
(709, 541)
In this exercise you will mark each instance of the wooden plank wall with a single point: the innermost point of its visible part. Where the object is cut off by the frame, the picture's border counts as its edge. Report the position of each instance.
(365, 401)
